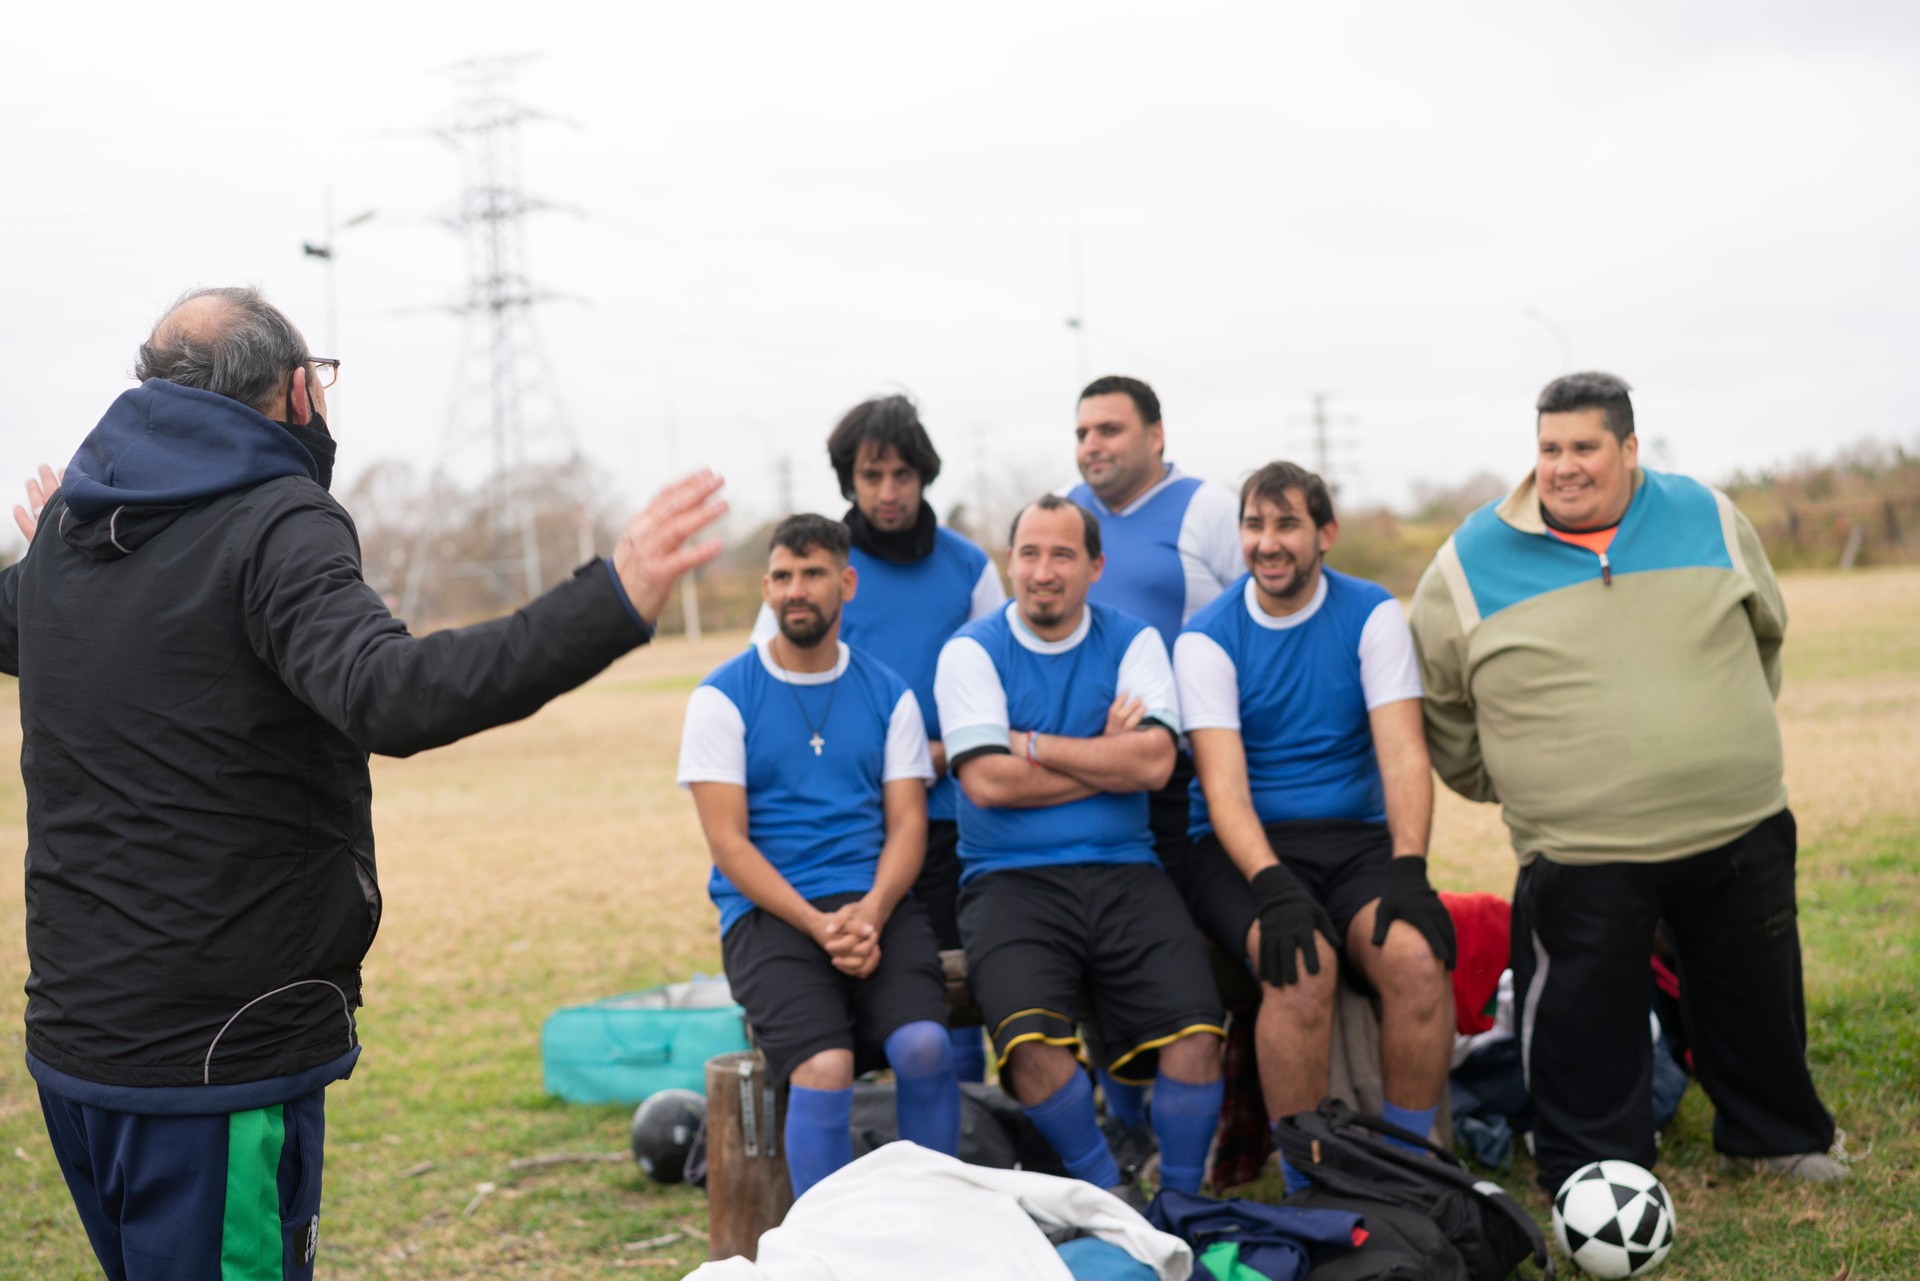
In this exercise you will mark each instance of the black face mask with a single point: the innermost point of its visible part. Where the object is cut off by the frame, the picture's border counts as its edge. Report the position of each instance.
(317, 442)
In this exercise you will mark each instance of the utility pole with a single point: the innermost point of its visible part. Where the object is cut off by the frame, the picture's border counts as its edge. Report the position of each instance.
(513, 390)
(1323, 443)
(1560, 338)
(689, 581)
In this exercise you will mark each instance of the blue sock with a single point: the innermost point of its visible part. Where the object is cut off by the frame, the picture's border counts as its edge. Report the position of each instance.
(818, 1140)
(1184, 1119)
(969, 1053)
(1419, 1120)
(1126, 1104)
(1067, 1120)
(926, 1096)
(1293, 1178)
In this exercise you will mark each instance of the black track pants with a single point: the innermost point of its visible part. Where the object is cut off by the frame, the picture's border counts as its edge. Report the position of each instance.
(1581, 940)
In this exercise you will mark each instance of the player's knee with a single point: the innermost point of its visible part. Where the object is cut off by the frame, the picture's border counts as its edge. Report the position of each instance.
(1194, 1058)
(1313, 987)
(827, 1070)
(1406, 971)
(918, 1049)
(1305, 1006)
(1038, 1069)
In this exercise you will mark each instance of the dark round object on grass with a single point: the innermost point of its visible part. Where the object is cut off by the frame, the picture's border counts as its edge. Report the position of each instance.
(663, 1129)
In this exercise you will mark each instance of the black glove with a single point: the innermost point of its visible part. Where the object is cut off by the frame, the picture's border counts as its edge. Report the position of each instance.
(1288, 918)
(1409, 898)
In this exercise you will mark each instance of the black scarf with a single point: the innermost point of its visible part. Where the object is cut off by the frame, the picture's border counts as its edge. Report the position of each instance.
(315, 439)
(903, 548)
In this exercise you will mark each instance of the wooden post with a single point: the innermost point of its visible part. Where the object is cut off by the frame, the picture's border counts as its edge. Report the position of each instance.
(748, 1190)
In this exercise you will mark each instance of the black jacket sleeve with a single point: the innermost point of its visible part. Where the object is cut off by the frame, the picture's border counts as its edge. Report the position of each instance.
(313, 619)
(10, 619)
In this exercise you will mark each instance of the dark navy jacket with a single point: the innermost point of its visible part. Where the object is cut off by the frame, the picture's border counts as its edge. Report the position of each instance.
(203, 672)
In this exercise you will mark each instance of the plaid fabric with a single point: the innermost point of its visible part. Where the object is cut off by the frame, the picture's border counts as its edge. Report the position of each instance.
(1245, 1139)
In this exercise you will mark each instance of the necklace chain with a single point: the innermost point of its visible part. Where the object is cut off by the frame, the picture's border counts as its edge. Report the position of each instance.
(817, 743)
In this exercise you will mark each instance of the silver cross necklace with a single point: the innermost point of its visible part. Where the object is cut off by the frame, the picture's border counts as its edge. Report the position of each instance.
(816, 742)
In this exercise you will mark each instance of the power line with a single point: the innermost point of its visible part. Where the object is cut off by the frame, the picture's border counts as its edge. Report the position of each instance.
(504, 376)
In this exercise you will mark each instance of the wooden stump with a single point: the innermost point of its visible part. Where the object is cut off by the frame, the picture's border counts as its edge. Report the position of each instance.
(962, 1010)
(748, 1190)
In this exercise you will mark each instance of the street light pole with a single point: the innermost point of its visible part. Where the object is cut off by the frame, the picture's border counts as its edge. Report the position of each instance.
(324, 252)
(1559, 337)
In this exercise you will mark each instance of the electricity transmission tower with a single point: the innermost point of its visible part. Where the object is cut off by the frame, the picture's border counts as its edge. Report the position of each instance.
(504, 395)
(1324, 444)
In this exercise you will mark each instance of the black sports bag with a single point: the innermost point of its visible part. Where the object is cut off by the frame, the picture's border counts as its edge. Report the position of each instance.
(1351, 1165)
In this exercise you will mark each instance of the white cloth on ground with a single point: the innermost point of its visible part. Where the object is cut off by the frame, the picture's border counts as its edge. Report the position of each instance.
(905, 1211)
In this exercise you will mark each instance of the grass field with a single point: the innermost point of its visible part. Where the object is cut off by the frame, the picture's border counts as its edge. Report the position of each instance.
(554, 862)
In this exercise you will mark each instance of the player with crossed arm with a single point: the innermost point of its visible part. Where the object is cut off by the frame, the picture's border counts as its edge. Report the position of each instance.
(1060, 718)
(1314, 803)
(922, 582)
(808, 764)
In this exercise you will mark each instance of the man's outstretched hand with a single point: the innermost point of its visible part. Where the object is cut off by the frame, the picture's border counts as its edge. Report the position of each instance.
(657, 546)
(39, 490)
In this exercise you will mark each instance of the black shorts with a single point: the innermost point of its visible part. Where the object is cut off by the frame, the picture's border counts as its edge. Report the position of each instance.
(1036, 936)
(938, 888)
(799, 1005)
(1342, 864)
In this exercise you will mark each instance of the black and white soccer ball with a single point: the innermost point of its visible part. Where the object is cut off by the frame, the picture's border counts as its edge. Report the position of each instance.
(1614, 1219)
(663, 1128)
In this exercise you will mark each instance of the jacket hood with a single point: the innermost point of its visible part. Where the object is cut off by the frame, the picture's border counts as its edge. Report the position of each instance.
(164, 445)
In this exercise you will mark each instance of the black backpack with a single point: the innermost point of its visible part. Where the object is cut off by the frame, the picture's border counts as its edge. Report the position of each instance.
(1353, 1168)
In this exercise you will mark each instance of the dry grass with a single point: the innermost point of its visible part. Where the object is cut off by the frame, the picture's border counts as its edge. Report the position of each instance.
(554, 862)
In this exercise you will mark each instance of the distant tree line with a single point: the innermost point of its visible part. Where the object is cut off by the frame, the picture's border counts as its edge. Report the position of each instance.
(1862, 507)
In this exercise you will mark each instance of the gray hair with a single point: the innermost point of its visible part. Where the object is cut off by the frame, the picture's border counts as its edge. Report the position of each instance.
(230, 341)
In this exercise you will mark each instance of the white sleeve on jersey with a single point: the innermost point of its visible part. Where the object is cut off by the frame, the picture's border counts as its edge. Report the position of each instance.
(765, 626)
(1209, 683)
(1146, 674)
(1210, 545)
(713, 742)
(1389, 667)
(988, 594)
(907, 754)
(972, 702)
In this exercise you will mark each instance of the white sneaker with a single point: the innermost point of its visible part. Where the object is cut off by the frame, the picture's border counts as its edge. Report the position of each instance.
(1808, 1167)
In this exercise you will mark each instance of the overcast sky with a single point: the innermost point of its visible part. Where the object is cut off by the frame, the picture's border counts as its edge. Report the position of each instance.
(1424, 210)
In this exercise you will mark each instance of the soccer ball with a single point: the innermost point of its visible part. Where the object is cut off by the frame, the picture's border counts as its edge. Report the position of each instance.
(1613, 1219)
(663, 1129)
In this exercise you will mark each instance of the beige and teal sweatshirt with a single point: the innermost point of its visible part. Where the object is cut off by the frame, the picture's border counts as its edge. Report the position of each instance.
(1619, 707)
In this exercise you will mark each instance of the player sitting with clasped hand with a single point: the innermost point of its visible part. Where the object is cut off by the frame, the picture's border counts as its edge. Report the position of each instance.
(808, 764)
(1314, 803)
(1060, 718)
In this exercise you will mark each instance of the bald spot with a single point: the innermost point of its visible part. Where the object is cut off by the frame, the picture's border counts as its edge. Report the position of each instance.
(195, 322)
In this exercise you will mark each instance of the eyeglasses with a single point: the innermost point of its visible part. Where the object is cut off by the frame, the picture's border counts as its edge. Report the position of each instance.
(325, 370)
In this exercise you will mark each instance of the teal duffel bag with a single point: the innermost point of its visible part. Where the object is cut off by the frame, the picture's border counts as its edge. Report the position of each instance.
(625, 1048)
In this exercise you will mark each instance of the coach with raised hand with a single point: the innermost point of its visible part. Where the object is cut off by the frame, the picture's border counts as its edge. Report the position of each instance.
(203, 673)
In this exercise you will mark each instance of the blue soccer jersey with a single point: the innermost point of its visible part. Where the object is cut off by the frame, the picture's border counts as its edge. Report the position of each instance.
(997, 676)
(1299, 690)
(1168, 552)
(813, 751)
(903, 613)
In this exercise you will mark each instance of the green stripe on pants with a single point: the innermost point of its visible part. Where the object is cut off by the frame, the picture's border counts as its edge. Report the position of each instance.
(250, 1233)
